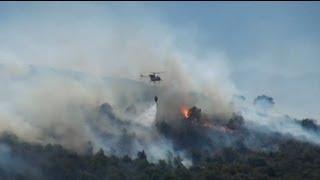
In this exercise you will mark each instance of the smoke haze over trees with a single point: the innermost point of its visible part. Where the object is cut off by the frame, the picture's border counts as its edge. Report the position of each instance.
(72, 105)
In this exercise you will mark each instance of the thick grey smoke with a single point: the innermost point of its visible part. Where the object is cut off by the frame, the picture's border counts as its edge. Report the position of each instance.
(262, 115)
(53, 75)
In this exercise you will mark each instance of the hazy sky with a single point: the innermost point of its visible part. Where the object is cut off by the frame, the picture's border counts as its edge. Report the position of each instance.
(273, 48)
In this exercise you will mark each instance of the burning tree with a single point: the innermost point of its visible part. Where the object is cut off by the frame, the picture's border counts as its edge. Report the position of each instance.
(193, 114)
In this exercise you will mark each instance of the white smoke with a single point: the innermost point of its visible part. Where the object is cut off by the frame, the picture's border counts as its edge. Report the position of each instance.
(272, 120)
(52, 72)
(52, 77)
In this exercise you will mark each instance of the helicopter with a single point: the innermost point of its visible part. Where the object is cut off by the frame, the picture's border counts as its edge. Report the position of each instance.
(154, 76)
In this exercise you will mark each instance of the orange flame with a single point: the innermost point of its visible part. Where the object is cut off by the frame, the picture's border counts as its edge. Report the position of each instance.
(184, 111)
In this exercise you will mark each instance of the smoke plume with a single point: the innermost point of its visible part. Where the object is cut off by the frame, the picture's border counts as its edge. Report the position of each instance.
(73, 79)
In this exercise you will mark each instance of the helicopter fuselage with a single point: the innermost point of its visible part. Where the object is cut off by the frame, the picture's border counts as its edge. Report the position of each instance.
(154, 77)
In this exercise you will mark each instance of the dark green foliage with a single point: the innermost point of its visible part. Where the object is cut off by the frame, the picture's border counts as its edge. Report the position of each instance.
(309, 124)
(264, 99)
(236, 122)
(142, 155)
(293, 160)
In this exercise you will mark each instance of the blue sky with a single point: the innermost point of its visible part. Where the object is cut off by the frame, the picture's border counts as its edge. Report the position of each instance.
(273, 48)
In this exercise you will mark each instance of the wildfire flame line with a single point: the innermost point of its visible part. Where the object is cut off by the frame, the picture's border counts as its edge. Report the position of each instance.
(185, 112)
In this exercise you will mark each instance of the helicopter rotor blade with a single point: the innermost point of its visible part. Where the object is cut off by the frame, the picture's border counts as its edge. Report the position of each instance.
(158, 72)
